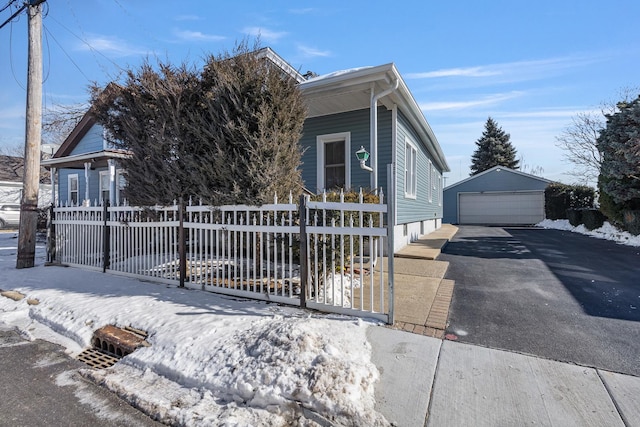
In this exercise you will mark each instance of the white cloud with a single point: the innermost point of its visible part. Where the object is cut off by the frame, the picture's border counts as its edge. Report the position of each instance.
(480, 102)
(454, 72)
(563, 112)
(110, 45)
(511, 71)
(265, 34)
(309, 52)
(197, 36)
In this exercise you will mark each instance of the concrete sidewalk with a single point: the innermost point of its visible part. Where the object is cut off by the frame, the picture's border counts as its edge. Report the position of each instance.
(425, 381)
(430, 382)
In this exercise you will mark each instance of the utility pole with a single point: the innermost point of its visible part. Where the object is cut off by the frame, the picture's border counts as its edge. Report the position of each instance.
(31, 179)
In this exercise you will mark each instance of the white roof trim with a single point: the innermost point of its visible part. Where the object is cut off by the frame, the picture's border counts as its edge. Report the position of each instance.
(112, 154)
(387, 73)
(517, 172)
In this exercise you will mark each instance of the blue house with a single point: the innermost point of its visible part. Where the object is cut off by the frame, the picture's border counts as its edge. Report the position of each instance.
(372, 108)
(365, 109)
(85, 170)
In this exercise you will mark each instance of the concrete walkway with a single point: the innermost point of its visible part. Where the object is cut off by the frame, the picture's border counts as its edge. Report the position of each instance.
(422, 294)
(432, 382)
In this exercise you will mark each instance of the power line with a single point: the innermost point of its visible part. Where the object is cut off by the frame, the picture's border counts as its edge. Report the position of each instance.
(18, 12)
(13, 71)
(65, 52)
(7, 5)
(91, 48)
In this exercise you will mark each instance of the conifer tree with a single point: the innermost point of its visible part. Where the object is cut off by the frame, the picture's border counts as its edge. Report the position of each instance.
(619, 143)
(494, 148)
(228, 134)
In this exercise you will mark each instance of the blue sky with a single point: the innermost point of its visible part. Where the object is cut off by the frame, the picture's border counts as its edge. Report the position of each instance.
(530, 66)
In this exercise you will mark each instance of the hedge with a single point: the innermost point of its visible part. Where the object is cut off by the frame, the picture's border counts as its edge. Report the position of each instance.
(561, 197)
(592, 219)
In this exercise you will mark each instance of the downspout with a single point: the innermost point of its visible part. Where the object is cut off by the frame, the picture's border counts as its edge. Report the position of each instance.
(374, 131)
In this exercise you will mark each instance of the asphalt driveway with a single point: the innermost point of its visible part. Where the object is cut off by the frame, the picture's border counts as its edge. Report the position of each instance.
(549, 293)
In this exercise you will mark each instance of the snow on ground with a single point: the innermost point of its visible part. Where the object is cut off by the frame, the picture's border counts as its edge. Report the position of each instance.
(607, 231)
(213, 360)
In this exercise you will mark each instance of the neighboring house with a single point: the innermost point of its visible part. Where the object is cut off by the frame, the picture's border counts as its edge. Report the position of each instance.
(85, 169)
(11, 177)
(497, 196)
(366, 107)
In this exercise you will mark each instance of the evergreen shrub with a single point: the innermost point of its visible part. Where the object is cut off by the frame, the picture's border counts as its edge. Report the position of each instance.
(561, 197)
(574, 216)
(592, 218)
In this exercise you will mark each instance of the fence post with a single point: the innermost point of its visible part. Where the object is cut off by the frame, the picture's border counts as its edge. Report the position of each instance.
(51, 237)
(182, 252)
(391, 198)
(304, 265)
(106, 253)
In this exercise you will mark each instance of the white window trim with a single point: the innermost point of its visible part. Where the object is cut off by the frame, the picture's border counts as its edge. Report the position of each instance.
(321, 140)
(69, 178)
(410, 185)
(439, 189)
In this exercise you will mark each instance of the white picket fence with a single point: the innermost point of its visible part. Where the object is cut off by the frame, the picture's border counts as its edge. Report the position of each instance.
(332, 260)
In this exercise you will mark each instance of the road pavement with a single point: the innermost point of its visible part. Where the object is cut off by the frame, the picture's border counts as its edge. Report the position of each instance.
(549, 293)
(40, 386)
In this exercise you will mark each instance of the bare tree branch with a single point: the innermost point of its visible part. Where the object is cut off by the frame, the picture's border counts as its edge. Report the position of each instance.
(59, 120)
(579, 144)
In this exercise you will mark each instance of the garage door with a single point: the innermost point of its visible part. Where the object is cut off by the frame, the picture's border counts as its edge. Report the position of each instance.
(501, 208)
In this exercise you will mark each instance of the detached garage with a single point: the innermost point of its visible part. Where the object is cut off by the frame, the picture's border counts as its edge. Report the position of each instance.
(497, 196)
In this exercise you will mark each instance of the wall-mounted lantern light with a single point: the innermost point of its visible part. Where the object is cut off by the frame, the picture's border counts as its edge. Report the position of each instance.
(363, 156)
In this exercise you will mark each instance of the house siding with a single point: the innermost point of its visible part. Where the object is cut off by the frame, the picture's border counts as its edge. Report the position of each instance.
(90, 143)
(410, 210)
(94, 184)
(357, 123)
(502, 180)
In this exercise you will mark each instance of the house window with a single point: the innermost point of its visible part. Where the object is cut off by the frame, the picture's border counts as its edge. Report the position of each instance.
(104, 186)
(439, 189)
(410, 170)
(72, 195)
(334, 161)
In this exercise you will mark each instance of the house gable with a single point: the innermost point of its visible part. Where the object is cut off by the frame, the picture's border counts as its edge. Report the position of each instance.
(499, 178)
(91, 142)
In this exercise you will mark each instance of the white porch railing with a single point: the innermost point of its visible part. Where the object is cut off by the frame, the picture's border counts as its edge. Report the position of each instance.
(316, 254)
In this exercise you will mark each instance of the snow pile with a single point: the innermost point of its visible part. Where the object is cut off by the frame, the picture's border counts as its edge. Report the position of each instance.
(607, 231)
(213, 360)
(337, 289)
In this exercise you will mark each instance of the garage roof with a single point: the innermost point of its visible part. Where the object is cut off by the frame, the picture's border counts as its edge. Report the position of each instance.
(498, 169)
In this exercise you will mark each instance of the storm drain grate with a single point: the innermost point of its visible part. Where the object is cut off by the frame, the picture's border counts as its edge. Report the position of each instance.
(110, 344)
(97, 359)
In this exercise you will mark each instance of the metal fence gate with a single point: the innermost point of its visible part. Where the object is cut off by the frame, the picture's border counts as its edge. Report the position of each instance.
(328, 256)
